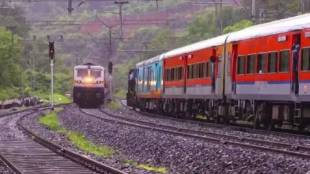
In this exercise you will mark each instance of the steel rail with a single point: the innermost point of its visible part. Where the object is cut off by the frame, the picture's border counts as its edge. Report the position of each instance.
(73, 156)
(237, 127)
(209, 137)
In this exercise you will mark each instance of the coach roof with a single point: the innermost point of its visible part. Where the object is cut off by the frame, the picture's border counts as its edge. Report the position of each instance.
(220, 40)
(275, 27)
(151, 60)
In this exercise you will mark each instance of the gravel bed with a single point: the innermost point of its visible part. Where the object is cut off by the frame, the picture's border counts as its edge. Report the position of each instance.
(298, 140)
(31, 122)
(4, 169)
(179, 154)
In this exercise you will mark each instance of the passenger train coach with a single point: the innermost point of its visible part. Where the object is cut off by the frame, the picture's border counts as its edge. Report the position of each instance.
(260, 74)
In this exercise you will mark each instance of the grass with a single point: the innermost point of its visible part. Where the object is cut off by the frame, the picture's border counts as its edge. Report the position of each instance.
(113, 105)
(81, 142)
(201, 117)
(147, 167)
(78, 139)
(8, 93)
(51, 121)
(120, 93)
(58, 98)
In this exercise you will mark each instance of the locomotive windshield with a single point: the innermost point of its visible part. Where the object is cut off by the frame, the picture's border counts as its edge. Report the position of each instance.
(96, 73)
(82, 72)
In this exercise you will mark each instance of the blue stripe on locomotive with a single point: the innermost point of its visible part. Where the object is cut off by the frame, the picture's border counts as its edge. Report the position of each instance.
(149, 77)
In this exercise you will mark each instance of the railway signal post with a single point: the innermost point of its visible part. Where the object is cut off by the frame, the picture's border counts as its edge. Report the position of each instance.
(52, 56)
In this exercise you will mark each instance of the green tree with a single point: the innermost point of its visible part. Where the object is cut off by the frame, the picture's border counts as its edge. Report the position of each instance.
(203, 27)
(9, 59)
(238, 26)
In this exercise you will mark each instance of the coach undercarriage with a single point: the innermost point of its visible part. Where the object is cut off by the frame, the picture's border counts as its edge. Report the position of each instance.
(260, 114)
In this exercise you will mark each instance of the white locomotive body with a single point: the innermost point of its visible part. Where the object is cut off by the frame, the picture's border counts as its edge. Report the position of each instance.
(89, 85)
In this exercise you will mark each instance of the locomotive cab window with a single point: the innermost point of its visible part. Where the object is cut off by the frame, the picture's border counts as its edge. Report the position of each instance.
(284, 61)
(305, 62)
(250, 64)
(82, 72)
(96, 73)
(261, 63)
(272, 62)
(241, 65)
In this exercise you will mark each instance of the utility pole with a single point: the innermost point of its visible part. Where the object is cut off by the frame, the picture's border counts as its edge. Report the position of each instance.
(52, 56)
(221, 16)
(302, 6)
(253, 13)
(120, 3)
(218, 15)
(110, 42)
(110, 27)
(33, 57)
(70, 8)
(157, 3)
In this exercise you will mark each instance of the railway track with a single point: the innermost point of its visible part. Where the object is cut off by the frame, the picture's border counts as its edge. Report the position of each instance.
(26, 152)
(252, 143)
(235, 127)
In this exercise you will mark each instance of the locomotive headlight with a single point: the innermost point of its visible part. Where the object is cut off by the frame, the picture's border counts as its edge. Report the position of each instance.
(88, 79)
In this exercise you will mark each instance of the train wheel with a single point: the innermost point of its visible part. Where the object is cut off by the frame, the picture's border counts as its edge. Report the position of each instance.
(257, 119)
(270, 125)
(259, 115)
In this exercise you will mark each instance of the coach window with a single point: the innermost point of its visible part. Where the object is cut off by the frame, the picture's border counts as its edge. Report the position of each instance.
(201, 74)
(284, 61)
(206, 66)
(205, 69)
(198, 70)
(261, 63)
(168, 74)
(148, 78)
(189, 71)
(305, 62)
(272, 62)
(192, 71)
(251, 64)
(178, 73)
(241, 64)
(209, 69)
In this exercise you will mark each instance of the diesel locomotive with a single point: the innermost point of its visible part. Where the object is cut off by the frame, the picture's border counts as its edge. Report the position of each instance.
(89, 85)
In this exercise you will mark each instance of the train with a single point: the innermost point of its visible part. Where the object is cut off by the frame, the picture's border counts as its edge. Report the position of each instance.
(89, 89)
(259, 75)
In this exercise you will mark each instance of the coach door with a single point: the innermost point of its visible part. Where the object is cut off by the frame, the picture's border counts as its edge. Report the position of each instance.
(213, 61)
(295, 61)
(233, 66)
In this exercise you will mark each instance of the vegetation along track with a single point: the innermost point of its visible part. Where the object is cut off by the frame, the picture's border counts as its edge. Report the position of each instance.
(24, 155)
(239, 141)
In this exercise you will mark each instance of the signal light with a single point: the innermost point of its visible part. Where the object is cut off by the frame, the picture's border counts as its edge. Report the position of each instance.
(110, 67)
(51, 52)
